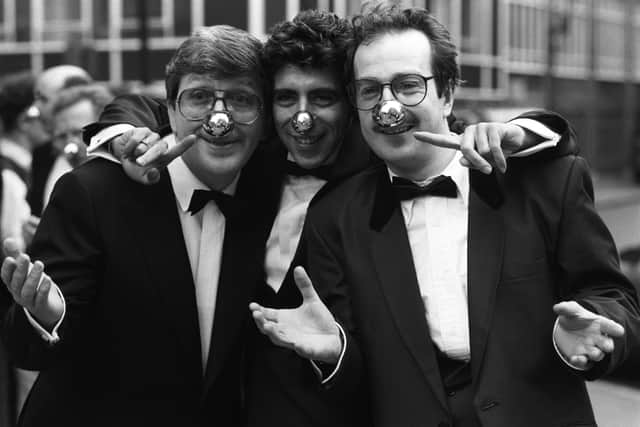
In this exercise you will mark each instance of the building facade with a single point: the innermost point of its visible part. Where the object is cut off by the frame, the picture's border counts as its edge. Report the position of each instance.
(578, 57)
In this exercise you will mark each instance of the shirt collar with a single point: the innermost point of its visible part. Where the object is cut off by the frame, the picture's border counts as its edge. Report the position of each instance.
(458, 173)
(184, 182)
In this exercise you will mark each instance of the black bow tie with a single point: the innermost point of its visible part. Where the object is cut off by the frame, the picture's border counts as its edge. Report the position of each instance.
(441, 186)
(200, 198)
(294, 169)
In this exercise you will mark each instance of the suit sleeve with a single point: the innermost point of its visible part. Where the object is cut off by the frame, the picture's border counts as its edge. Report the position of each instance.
(589, 269)
(67, 242)
(322, 262)
(136, 110)
(554, 121)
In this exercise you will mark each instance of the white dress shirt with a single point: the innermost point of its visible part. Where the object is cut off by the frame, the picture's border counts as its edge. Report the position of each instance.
(438, 229)
(282, 243)
(203, 237)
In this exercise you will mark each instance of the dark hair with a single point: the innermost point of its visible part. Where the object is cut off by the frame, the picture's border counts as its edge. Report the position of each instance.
(16, 95)
(99, 96)
(221, 51)
(314, 38)
(78, 80)
(380, 19)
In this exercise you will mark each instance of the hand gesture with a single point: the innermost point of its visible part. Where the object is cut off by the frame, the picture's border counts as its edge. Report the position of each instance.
(483, 145)
(30, 287)
(584, 337)
(143, 153)
(29, 228)
(310, 330)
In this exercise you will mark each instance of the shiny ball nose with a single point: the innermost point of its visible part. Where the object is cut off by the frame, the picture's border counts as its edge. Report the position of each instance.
(219, 123)
(71, 149)
(302, 122)
(389, 114)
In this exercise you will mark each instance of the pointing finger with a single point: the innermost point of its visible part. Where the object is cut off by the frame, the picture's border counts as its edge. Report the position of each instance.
(438, 139)
(153, 154)
(178, 148)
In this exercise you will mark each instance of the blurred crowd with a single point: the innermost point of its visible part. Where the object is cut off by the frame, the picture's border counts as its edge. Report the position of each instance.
(41, 121)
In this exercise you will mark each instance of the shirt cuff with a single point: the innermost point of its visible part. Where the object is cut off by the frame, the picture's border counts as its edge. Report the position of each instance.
(550, 137)
(50, 337)
(555, 345)
(107, 134)
(102, 153)
(333, 373)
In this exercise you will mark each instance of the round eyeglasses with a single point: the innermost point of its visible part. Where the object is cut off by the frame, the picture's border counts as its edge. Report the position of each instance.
(409, 89)
(197, 104)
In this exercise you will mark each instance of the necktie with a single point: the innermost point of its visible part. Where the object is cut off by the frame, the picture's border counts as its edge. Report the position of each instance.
(441, 186)
(201, 197)
(294, 169)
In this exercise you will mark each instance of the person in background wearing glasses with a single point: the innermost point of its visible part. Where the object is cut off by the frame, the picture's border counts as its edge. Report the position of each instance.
(462, 299)
(145, 323)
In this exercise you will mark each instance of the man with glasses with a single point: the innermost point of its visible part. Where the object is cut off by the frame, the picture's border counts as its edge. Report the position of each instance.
(466, 299)
(147, 322)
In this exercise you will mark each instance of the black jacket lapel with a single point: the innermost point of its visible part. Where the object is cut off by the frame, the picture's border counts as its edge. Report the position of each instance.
(485, 247)
(160, 235)
(394, 264)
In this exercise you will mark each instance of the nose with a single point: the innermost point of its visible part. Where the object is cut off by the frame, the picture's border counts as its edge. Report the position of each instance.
(389, 113)
(219, 105)
(387, 94)
(302, 122)
(218, 123)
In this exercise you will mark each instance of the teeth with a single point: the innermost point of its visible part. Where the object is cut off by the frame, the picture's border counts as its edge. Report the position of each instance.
(396, 130)
(306, 141)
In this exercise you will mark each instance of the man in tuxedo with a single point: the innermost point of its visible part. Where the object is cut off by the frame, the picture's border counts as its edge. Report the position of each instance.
(461, 298)
(146, 323)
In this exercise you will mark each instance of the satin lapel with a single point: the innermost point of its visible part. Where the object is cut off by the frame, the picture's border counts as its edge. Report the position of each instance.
(485, 247)
(394, 264)
(241, 265)
(159, 232)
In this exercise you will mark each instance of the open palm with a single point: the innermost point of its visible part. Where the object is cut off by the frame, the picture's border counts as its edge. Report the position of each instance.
(582, 336)
(310, 329)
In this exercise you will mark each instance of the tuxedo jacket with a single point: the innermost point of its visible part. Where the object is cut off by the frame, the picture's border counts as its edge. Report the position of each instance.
(534, 240)
(130, 352)
(43, 158)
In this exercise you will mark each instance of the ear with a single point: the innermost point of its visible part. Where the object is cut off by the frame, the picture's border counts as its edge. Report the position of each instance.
(171, 111)
(447, 106)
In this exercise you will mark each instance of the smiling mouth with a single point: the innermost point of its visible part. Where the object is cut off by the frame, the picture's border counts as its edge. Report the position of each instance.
(215, 141)
(306, 140)
(394, 130)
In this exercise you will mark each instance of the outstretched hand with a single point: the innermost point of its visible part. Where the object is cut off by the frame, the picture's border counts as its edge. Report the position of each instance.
(144, 153)
(582, 336)
(483, 145)
(29, 286)
(310, 330)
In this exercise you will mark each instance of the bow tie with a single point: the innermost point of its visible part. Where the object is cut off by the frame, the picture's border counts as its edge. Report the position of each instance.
(441, 186)
(294, 169)
(200, 198)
